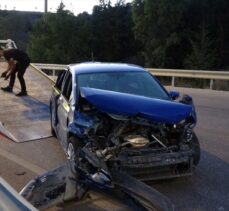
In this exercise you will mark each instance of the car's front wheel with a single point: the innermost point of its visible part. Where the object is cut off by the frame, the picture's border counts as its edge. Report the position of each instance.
(195, 146)
(73, 149)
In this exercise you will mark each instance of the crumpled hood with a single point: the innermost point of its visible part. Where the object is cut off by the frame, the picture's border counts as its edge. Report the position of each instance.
(156, 110)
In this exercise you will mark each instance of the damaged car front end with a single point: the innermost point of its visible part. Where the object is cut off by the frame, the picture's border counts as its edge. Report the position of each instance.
(152, 134)
(125, 116)
(119, 126)
(145, 137)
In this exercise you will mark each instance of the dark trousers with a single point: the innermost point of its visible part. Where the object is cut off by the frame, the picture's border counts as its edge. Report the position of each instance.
(20, 70)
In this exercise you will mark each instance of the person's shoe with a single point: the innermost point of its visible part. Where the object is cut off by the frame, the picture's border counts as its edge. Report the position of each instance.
(6, 89)
(21, 94)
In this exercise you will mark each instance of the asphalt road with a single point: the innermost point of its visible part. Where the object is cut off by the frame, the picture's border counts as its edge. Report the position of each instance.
(207, 189)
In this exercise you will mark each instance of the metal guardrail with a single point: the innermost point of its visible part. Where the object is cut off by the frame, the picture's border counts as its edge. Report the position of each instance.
(53, 67)
(199, 74)
(39, 70)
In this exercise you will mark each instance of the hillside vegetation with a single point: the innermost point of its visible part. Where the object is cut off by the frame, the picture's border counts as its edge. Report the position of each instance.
(17, 25)
(192, 34)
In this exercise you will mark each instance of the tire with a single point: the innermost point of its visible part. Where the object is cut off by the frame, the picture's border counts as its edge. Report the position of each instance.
(73, 149)
(195, 146)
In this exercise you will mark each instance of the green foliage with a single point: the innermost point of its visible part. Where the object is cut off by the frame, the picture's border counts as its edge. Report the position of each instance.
(158, 24)
(174, 35)
(208, 33)
(155, 33)
(203, 54)
(16, 26)
(61, 38)
(106, 35)
(112, 32)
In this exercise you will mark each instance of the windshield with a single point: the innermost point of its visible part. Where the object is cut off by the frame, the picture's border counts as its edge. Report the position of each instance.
(137, 83)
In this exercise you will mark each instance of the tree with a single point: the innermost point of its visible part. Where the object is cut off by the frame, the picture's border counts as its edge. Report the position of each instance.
(16, 26)
(177, 33)
(208, 32)
(61, 38)
(158, 24)
(202, 56)
(168, 33)
(113, 38)
(104, 4)
(106, 35)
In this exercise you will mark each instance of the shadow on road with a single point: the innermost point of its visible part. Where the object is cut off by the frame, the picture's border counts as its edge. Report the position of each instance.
(207, 189)
(36, 110)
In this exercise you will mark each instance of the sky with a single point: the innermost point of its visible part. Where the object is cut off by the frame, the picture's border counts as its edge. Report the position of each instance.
(76, 6)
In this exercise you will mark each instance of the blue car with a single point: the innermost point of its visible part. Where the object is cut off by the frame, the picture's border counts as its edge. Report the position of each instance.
(121, 115)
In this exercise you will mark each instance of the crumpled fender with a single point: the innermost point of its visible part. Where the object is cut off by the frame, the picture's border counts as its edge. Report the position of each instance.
(82, 125)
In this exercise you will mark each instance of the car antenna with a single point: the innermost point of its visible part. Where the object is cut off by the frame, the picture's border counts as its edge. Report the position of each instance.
(92, 56)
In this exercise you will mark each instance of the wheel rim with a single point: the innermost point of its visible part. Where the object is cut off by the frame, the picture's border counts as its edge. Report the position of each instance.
(71, 152)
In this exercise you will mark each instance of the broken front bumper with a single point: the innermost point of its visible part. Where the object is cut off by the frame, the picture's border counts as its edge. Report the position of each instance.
(154, 166)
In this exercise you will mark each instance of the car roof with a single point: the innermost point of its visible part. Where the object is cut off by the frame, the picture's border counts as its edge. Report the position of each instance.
(97, 67)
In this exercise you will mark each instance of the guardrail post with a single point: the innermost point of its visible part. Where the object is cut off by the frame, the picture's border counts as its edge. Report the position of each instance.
(173, 81)
(53, 72)
(211, 83)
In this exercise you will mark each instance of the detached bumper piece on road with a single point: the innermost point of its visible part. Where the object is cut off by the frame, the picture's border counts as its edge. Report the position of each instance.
(11, 200)
(63, 184)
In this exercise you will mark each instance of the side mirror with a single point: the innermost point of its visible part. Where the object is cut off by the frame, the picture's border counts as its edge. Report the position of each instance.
(186, 99)
(174, 95)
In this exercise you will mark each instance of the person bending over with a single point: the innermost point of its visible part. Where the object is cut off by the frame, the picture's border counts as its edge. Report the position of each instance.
(18, 61)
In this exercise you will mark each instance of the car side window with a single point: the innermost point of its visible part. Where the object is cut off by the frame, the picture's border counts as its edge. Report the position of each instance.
(67, 86)
(60, 80)
(69, 90)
